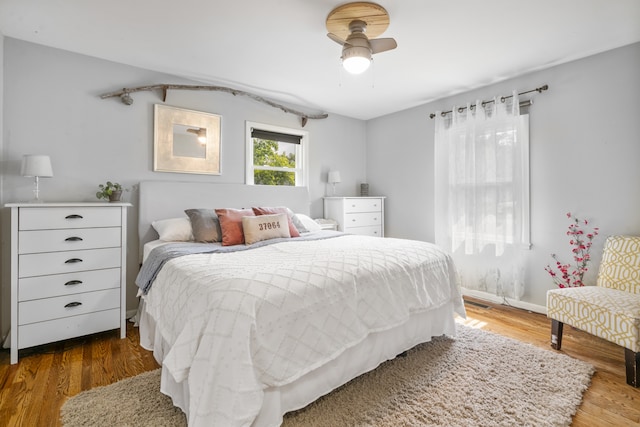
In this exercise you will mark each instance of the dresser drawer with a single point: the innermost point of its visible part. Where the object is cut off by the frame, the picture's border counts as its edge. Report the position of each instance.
(362, 219)
(69, 217)
(68, 327)
(373, 230)
(362, 205)
(67, 262)
(37, 287)
(71, 239)
(67, 271)
(41, 310)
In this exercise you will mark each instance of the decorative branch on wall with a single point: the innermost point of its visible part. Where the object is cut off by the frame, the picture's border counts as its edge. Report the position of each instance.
(125, 97)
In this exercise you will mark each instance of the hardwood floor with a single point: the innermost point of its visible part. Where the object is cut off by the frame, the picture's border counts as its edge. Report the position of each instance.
(32, 391)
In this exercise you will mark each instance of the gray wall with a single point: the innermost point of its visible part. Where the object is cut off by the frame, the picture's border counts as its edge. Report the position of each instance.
(52, 106)
(584, 152)
(584, 146)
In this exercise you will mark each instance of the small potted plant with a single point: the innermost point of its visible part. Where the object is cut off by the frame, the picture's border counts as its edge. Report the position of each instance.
(111, 191)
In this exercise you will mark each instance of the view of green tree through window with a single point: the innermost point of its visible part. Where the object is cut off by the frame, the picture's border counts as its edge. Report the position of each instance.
(269, 158)
(276, 155)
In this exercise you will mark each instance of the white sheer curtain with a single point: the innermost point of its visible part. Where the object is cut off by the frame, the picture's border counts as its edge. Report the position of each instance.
(482, 193)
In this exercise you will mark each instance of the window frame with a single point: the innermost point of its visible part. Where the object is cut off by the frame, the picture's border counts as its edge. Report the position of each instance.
(302, 162)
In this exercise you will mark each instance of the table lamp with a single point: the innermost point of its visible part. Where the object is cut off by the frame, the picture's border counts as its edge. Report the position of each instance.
(37, 166)
(334, 178)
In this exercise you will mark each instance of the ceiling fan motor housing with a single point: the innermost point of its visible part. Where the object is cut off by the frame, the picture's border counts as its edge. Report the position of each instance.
(357, 44)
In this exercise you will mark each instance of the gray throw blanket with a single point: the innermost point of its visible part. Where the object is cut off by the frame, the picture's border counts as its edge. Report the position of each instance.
(160, 255)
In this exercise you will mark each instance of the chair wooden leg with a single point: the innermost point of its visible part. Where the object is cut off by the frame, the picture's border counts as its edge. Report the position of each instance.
(556, 334)
(632, 364)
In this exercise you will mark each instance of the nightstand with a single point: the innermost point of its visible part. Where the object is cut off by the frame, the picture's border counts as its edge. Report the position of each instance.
(357, 215)
(68, 271)
(327, 224)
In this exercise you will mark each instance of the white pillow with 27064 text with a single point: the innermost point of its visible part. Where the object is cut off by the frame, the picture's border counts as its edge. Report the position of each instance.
(265, 227)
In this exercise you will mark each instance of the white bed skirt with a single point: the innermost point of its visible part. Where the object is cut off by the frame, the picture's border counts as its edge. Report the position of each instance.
(367, 355)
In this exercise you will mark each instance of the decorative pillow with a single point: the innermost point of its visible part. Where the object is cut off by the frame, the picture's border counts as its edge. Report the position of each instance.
(309, 224)
(296, 221)
(265, 227)
(231, 225)
(205, 225)
(293, 231)
(174, 229)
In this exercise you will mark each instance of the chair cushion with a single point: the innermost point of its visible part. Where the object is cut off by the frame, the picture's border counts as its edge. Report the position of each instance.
(620, 265)
(607, 313)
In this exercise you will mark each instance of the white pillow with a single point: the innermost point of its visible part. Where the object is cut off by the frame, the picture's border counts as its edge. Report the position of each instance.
(174, 229)
(265, 227)
(296, 222)
(308, 223)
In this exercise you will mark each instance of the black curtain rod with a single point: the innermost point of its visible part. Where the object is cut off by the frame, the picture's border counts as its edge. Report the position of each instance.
(504, 98)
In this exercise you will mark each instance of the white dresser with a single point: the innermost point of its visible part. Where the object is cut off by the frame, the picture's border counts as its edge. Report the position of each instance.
(357, 215)
(68, 271)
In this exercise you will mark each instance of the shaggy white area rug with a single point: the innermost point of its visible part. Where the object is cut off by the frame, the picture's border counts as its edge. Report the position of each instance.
(475, 379)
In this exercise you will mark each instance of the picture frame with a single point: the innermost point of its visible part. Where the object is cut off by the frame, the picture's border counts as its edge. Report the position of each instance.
(186, 141)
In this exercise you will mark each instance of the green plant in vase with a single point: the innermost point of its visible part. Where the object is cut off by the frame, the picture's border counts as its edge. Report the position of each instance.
(111, 191)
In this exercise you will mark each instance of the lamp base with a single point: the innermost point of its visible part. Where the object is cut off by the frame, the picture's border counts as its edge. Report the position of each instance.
(36, 191)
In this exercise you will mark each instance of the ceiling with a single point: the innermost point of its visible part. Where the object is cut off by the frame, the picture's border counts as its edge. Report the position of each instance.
(279, 49)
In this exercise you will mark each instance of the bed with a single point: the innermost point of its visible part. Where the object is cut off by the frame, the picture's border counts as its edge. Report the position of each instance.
(248, 332)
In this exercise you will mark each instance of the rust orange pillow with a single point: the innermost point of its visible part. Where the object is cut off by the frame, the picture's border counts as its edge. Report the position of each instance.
(293, 231)
(231, 225)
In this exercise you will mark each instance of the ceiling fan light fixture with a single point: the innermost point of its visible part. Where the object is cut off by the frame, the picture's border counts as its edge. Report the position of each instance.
(356, 60)
(354, 26)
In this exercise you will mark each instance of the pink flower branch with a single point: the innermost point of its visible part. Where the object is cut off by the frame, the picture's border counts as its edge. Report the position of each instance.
(580, 247)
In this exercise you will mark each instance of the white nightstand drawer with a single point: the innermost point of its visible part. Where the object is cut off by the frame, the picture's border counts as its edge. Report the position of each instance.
(41, 310)
(362, 205)
(67, 284)
(374, 230)
(359, 212)
(69, 217)
(66, 262)
(362, 219)
(71, 239)
(68, 327)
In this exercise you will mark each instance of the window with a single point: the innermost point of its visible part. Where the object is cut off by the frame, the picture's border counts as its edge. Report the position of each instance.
(488, 186)
(482, 194)
(276, 155)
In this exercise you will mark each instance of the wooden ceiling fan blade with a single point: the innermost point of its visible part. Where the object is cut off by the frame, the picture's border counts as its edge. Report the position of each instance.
(382, 45)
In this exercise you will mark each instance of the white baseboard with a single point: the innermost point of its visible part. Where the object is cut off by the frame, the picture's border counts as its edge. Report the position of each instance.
(500, 300)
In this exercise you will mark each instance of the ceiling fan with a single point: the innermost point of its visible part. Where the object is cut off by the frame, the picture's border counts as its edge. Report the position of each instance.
(347, 25)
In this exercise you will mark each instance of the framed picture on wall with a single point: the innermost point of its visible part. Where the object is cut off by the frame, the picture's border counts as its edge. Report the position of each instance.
(186, 141)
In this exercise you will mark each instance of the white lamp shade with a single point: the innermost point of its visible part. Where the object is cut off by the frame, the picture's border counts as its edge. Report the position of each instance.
(36, 165)
(334, 177)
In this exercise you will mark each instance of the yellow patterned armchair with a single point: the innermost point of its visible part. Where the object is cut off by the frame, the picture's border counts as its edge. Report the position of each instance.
(609, 310)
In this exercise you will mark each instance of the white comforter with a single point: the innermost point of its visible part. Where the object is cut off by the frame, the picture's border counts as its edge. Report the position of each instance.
(240, 322)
